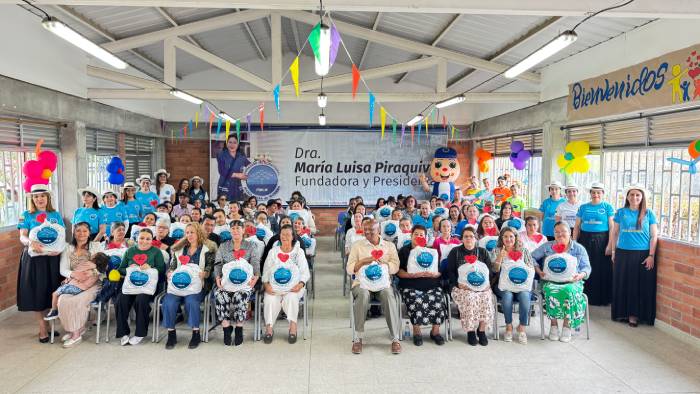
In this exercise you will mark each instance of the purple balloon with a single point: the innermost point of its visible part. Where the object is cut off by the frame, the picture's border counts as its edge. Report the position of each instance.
(513, 156)
(524, 155)
(516, 146)
(519, 165)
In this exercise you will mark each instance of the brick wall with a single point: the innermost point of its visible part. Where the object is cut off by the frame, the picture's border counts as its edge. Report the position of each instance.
(185, 159)
(9, 262)
(678, 281)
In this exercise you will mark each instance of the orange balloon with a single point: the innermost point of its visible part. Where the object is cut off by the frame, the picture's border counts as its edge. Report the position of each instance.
(46, 174)
(692, 150)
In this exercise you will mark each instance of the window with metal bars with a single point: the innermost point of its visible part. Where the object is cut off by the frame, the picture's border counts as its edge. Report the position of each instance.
(139, 151)
(531, 177)
(101, 146)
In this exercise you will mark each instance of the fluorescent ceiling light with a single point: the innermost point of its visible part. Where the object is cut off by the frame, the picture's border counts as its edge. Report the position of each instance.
(557, 44)
(187, 97)
(451, 101)
(415, 120)
(62, 30)
(223, 115)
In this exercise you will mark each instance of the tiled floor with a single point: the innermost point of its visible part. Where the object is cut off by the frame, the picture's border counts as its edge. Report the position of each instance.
(616, 359)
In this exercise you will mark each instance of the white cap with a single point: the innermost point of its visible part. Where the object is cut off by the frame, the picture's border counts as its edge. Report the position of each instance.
(143, 178)
(161, 171)
(128, 185)
(88, 189)
(38, 188)
(636, 186)
(108, 191)
(597, 186)
(555, 184)
(571, 186)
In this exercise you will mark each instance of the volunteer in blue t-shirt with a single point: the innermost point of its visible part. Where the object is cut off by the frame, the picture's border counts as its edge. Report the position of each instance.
(148, 199)
(112, 211)
(131, 205)
(634, 271)
(549, 209)
(89, 213)
(594, 222)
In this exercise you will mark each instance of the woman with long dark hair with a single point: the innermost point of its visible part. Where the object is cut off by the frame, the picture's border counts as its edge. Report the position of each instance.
(89, 213)
(634, 272)
(231, 161)
(164, 190)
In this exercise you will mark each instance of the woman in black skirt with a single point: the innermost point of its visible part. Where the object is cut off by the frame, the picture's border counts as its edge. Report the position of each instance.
(634, 271)
(594, 223)
(39, 276)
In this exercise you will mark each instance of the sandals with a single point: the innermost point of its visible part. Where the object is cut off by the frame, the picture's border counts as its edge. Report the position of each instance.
(267, 338)
(292, 338)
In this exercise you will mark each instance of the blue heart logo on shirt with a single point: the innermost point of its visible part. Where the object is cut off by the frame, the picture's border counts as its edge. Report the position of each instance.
(283, 275)
(557, 265)
(237, 276)
(138, 278)
(373, 272)
(517, 275)
(424, 259)
(47, 235)
(390, 229)
(181, 280)
(476, 278)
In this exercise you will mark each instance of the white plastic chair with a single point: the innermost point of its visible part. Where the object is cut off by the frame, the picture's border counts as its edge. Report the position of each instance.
(206, 310)
(258, 319)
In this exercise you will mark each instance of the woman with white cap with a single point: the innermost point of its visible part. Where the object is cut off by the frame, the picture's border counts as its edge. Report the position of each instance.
(594, 223)
(566, 211)
(89, 213)
(197, 191)
(634, 272)
(131, 205)
(164, 190)
(549, 209)
(112, 211)
(39, 276)
(147, 198)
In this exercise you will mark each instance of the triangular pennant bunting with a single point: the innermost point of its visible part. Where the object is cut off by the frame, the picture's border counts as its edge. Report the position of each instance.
(228, 128)
(294, 70)
(371, 108)
(355, 80)
(382, 117)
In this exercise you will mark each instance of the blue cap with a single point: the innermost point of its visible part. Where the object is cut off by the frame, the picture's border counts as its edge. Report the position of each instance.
(445, 153)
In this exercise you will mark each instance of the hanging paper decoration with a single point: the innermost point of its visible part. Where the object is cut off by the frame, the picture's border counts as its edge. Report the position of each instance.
(276, 93)
(218, 127)
(39, 171)
(519, 155)
(453, 133)
(412, 134)
(211, 121)
(382, 118)
(320, 40)
(115, 169)
(191, 128)
(403, 131)
(196, 119)
(371, 108)
(335, 44)
(247, 120)
(238, 129)
(228, 128)
(574, 160)
(694, 151)
(426, 129)
(393, 128)
(294, 70)
(483, 156)
(355, 80)
(420, 128)
(444, 122)
(261, 111)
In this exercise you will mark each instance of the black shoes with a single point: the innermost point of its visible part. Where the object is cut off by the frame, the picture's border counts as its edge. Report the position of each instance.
(195, 340)
(172, 339)
(438, 339)
(267, 338)
(292, 338)
(227, 335)
(471, 338)
(238, 339)
(483, 341)
(418, 339)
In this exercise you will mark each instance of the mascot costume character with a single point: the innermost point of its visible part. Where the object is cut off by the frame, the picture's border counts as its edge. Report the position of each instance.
(444, 171)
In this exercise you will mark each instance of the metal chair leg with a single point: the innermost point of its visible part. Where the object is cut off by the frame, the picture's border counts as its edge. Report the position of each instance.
(109, 309)
(541, 303)
(588, 318)
(495, 318)
(99, 322)
(352, 317)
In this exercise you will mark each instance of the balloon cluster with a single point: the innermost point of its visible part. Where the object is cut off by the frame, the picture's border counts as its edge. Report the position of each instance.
(39, 171)
(518, 155)
(483, 157)
(574, 160)
(115, 168)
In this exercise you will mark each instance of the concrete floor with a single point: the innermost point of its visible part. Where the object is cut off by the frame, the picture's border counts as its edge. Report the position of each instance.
(616, 359)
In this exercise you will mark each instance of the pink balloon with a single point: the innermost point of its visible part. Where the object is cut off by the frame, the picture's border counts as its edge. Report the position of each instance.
(27, 184)
(32, 169)
(48, 159)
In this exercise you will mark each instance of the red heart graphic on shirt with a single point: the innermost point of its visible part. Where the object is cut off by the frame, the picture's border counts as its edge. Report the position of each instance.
(140, 259)
(305, 231)
(184, 259)
(487, 209)
(515, 255)
(471, 221)
(153, 203)
(142, 224)
(359, 232)
(41, 217)
(113, 245)
(493, 231)
(250, 230)
(238, 254)
(406, 231)
(470, 259)
(559, 248)
(283, 257)
(156, 243)
(537, 237)
(377, 254)
(421, 241)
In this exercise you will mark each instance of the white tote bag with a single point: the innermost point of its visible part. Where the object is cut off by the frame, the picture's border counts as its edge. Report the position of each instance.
(116, 255)
(236, 275)
(309, 244)
(263, 233)
(560, 267)
(374, 277)
(224, 232)
(284, 276)
(516, 276)
(474, 274)
(422, 260)
(383, 214)
(516, 224)
(403, 239)
(52, 237)
(138, 281)
(442, 212)
(445, 250)
(136, 229)
(185, 279)
(177, 230)
(489, 243)
(296, 213)
(390, 230)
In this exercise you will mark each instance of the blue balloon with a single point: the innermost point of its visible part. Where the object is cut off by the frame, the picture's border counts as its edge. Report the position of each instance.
(424, 259)
(514, 223)
(115, 178)
(237, 276)
(557, 265)
(373, 272)
(47, 235)
(517, 275)
(138, 278)
(390, 229)
(181, 280)
(476, 278)
(491, 244)
(178, 233)
(114, 262)
(385, 212)
(283, 275)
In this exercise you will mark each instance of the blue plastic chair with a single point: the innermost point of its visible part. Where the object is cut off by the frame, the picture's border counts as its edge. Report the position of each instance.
(340, 230)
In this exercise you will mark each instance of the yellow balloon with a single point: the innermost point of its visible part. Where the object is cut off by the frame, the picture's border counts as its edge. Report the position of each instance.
(561, 161)
(578, 148)
(114, 276)
(580, 165)
(46, 174)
